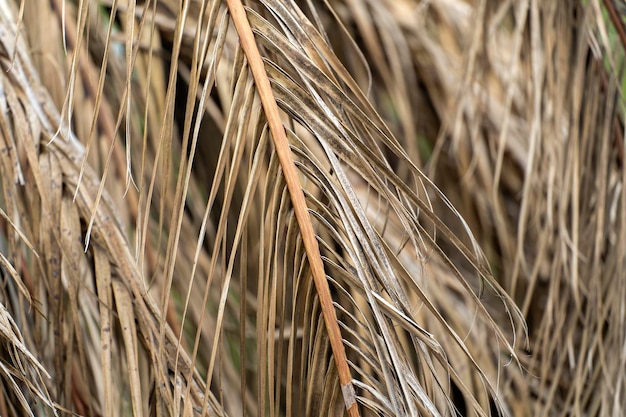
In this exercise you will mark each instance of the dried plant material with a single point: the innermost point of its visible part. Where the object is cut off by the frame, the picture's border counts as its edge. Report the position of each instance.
(311, 208)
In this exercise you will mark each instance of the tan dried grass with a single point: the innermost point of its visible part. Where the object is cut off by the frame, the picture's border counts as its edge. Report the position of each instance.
(154, 264)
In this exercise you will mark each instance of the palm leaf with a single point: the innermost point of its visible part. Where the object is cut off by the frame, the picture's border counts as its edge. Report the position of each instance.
(221, 209)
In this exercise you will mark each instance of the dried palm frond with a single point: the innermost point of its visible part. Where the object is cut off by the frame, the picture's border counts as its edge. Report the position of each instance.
(530, 150)
(221, 210)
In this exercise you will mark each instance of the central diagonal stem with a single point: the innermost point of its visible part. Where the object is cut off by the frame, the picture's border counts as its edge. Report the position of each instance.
(296, 193)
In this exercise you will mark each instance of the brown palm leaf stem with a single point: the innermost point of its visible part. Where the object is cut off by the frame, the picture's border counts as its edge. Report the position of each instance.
(311, 208)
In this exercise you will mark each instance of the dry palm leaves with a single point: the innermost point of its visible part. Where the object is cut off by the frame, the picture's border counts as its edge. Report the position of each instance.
(531, 151)
(208, 211)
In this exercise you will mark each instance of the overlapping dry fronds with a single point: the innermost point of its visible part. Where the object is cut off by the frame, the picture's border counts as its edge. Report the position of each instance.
(525, 96)
(159, 259)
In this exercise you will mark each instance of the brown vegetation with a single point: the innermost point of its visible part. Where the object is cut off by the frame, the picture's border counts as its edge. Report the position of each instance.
(387, 207)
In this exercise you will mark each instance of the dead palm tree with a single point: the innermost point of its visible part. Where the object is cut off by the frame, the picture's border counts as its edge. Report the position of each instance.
(303, 208)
